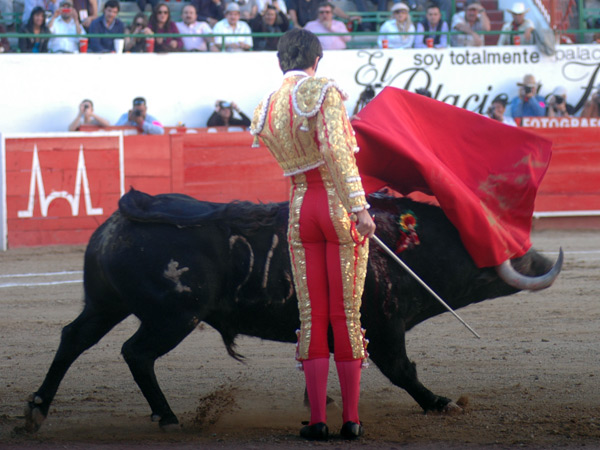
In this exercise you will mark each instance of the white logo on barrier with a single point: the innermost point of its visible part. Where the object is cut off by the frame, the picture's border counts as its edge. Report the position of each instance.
(36, 179)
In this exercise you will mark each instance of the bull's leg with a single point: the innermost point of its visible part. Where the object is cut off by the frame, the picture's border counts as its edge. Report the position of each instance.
(389, 354)
(85, 331)
(141, 351)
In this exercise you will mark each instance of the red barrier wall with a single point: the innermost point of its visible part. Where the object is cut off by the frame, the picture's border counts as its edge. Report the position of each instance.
(60, 188)
(46, 202)
(215, 166)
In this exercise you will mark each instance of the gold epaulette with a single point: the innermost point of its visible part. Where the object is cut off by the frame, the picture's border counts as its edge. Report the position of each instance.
(308, 96)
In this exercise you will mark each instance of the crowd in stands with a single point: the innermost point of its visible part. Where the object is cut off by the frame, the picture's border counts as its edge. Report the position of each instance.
(209, 20)
(225, 25)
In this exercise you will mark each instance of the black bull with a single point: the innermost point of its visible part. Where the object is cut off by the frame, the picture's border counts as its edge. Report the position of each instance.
(175, 262)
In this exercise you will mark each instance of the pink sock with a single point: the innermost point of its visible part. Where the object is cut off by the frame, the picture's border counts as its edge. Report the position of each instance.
(349, 374)
(316, 372)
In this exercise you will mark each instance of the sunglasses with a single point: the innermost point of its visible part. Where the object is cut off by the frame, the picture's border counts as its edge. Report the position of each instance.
(399, 11)
(139, 24)
(163, 12)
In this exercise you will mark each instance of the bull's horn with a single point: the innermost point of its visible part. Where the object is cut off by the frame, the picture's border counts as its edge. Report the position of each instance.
(513, 278)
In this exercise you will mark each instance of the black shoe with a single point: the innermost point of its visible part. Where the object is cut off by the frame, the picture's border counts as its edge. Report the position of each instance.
(352, 430)
(315, 432)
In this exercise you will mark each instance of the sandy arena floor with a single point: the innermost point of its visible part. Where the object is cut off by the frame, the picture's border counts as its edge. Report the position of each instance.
(533, 381)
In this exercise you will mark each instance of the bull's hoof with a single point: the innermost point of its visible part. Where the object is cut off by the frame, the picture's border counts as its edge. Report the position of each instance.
(452, 409)
(34, 415)
(169, 423)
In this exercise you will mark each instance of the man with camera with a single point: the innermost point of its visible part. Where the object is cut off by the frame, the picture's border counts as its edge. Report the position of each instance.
(557, 104)
(65, 21)
(528, 103)
(137, 117)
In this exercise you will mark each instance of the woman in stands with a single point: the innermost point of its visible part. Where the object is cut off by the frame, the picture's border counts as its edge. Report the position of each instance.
(160, 22)
(139, 25)
(35, 25)
(399, 23)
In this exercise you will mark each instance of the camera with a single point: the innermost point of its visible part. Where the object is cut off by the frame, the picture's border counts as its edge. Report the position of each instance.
(86, 106)
(558, 99)
(225, 105)
(137, 113)
(528, 89)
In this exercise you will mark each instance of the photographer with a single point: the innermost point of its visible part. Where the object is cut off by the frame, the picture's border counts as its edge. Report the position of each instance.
(496, 112)
(87, 116)
(223, 116)
(528, 103)
(592, 106)
(557, 104)
(137, 117)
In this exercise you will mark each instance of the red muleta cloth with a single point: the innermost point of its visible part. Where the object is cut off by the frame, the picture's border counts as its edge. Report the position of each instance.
(484, 174)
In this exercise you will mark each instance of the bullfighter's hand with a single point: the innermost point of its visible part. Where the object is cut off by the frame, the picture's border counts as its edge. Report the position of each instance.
(365, 224)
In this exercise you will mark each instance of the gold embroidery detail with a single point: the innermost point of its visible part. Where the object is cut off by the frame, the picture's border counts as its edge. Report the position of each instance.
(298, 257)
(353, 266)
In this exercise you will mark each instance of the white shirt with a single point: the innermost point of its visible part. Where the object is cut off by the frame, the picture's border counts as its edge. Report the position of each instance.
(194, 43)
(64, 44)
(223, 27)
(396, 41)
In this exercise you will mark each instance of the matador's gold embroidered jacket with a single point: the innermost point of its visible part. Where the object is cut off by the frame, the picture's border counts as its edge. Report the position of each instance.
(304, 124)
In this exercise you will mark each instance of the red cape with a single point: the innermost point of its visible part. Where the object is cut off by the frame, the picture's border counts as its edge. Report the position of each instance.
(484, 174)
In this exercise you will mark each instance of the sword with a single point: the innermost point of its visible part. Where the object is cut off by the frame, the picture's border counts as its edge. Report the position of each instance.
(416, 277)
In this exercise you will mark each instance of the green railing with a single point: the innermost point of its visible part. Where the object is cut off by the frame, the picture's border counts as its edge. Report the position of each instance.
(362, 37)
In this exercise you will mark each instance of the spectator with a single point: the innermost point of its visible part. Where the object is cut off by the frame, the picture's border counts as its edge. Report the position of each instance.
(557, 104)
(592, 106)
(519, 24)
(35, 25)
(4, 44)
(469, 22)
(303, 11)
(190, 25)
(29, 5)
(231, 25)
(87, 11)
(432, 22)
(6, 10)
(107, 23)
(65, 21)
(86, 116)
(139, 118)
(496, 111)
(139, 25)
(210, 11)
(327, 24)
(272, 21)
(161, 23)
(223, 116)
(528, 103)
(399, 23)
